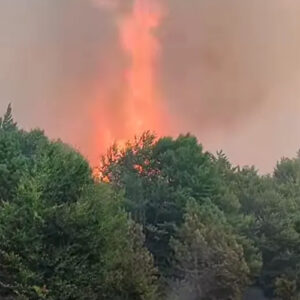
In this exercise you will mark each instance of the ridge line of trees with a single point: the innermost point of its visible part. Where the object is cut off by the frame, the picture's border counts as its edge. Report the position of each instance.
(165, 220)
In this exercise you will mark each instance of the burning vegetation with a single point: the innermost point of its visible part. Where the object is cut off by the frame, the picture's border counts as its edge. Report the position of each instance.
(165, 220)
(159, 218)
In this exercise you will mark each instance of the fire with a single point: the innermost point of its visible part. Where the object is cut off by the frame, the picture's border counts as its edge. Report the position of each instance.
(142, 99)
(140, 106)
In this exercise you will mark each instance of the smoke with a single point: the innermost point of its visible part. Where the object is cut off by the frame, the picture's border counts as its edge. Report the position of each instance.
(226, 70)
(230, 71)
(55, 56)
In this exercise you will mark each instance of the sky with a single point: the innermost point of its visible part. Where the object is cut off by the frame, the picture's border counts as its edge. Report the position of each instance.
(227, 71)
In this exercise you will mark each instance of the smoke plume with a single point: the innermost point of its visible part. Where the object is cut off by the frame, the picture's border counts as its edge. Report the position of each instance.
(95, 71)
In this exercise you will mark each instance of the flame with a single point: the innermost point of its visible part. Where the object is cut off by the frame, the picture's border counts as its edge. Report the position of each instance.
(137, 32)
(140, 106)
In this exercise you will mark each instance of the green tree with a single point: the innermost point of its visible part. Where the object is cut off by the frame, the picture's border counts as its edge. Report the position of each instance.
(208, 258)
(61, 235)
(270, 204)
(7, 122)
(158, 177)
(89, 249)
(63, 172)
(286, 289)
(12, 161)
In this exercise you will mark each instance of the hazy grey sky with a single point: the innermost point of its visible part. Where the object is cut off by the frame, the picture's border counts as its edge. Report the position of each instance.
(229, 71)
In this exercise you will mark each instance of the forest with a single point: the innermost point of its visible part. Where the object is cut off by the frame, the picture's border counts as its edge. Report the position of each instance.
(160, 218)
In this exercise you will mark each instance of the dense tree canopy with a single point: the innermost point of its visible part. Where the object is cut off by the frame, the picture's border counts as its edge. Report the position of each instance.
(164, 220)
(160, 177)
(208, 258)
(62, 236)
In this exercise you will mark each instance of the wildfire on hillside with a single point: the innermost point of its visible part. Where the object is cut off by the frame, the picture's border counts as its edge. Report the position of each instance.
(141, 101)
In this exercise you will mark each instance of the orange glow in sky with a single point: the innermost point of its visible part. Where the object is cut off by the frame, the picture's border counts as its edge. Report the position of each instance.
(139, 105)
(142, 99)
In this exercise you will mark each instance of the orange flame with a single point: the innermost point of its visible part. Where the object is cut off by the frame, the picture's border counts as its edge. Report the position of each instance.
(143, 111)
(139, 104)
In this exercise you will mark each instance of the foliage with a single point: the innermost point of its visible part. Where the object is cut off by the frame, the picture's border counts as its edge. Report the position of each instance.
(158, 177)
(167, 218)
(62, 236)
(208, 257)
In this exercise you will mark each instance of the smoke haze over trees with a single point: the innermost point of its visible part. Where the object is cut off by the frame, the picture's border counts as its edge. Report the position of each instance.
(163, 214)
(228, 71)
(163, 220)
